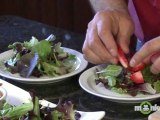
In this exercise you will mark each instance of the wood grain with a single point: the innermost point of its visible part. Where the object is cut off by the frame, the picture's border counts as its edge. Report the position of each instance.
(72, 15)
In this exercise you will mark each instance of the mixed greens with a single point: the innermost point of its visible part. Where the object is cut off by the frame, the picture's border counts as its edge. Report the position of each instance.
(117, 79)
(125, 79)
(0, 91)
(34, 111)
(39, 57)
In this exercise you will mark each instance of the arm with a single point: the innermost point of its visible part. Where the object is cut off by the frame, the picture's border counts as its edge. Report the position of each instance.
(99, 5)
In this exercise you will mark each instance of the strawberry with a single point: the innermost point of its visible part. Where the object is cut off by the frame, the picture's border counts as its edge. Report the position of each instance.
(137, 77)
(122, 58)
(138, 67)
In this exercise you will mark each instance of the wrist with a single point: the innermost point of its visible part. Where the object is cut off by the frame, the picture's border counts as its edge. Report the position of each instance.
(123, 10)
(118, 5)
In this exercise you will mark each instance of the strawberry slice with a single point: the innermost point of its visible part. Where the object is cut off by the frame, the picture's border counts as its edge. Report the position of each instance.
(137, 77)
(138, 67)
(122, 58)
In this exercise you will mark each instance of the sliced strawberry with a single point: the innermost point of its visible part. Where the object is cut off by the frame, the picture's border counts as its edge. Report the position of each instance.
(138, 67)
(137, 77)
(122, 58)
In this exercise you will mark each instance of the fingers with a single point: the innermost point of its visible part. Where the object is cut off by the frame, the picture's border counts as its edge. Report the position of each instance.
(93, 48)
(125, 33)
(100, 45)
(92, 58)
(124, 42)
(105, 34)
(148, 49)
(154, 57)
(155, 68)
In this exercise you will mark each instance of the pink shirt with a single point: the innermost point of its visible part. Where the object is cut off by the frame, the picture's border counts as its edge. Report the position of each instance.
(146, 16)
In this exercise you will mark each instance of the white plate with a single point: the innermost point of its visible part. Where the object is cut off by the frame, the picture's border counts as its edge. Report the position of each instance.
(79, 65)
(87, 82)
(24, 97)
(98, 115)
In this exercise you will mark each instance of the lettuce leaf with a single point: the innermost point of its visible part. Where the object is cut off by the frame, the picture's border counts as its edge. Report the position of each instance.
(119, 90)
(111, 81)
(43, 48)
(156, 86)
(53, 70)
(36, 58)
(34, 41)
(111, 70)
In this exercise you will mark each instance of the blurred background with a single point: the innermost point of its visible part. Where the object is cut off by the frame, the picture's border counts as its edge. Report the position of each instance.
(72, 15)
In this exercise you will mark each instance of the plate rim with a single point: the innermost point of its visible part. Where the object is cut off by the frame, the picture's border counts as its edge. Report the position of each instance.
(83, 84)
(79, 55)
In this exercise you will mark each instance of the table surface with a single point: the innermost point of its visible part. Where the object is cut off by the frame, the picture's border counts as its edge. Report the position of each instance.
(13, 28)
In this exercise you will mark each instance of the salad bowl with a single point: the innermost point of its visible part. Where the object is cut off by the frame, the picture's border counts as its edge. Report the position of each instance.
(87, 82)
(79, 65)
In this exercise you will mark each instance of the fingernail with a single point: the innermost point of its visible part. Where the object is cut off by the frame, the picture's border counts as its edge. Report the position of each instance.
(113, 52)
(132, 62)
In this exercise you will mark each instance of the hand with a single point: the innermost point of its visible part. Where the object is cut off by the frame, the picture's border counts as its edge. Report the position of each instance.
(107, 29)
(149, 53)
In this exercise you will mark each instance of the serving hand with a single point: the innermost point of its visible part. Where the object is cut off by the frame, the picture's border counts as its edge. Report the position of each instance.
(149, 53)
(107, 29)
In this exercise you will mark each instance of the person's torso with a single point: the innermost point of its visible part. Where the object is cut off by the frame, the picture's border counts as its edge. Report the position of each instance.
(146, 16)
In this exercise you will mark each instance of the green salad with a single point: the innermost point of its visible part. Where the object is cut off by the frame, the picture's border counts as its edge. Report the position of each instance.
(35, 111)
(121, 80)
(39, 57)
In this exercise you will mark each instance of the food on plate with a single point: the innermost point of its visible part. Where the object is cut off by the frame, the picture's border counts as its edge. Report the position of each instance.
(2, 93)
(35, 111)
(39, 57)
(125, 79)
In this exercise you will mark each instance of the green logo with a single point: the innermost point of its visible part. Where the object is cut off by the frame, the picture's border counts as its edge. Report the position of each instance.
(146, 107)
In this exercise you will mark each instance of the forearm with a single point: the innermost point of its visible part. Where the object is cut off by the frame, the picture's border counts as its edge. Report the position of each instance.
(99, 5)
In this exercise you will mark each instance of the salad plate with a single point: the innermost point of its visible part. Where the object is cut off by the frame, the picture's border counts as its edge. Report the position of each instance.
(79, 65)
(24, 97)
(87, 82)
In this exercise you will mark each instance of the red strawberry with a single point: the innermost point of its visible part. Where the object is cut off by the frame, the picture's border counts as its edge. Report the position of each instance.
(122, 58)
(137, 77)
(138, 67)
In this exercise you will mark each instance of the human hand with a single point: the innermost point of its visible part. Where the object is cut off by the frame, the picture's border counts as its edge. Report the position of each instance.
(107, 29)
(149, 53)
